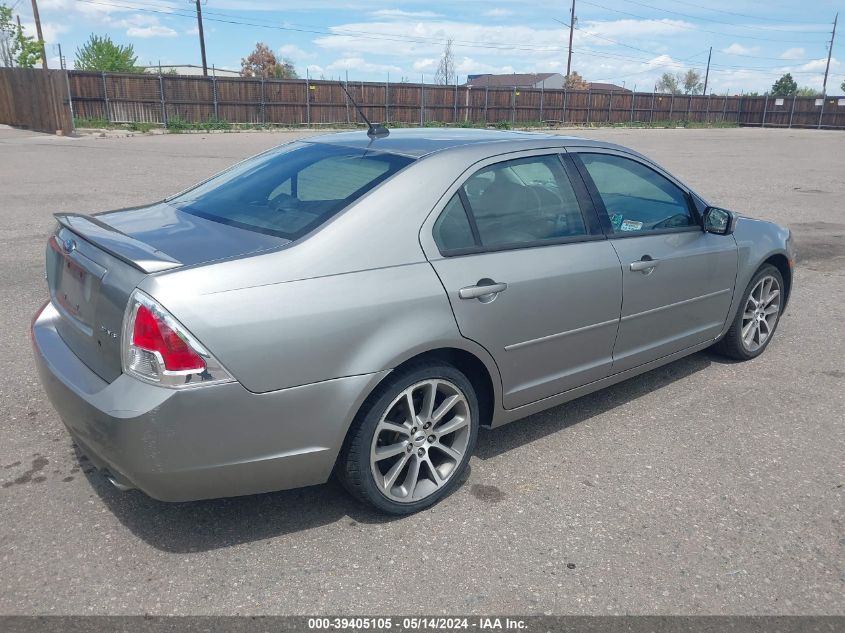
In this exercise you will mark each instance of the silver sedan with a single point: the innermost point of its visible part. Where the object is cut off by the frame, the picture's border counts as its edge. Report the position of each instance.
(362, 305)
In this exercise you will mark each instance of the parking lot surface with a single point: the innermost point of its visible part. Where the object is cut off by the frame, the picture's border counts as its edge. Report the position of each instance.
(703, 487)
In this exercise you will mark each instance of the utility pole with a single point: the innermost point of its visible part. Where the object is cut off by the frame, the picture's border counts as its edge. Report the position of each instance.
(37, 19)
(707, 74)
(829, 52)
(202, 39)
(571, 29)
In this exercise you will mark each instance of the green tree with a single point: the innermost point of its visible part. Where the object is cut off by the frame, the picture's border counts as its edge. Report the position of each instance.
(100, 53)
(669, 83)
(842, 86)
(806, 91)
(8, 39)
(262, 62)
(786, 86)
(693, 84)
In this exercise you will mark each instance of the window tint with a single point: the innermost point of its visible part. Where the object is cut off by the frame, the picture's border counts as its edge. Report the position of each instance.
(291, 190)
(452, 230)
(524, 200)
(637, 198)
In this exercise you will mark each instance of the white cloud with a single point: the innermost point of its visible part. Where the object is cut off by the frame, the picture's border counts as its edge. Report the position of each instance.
(151, 31)
(793, 53)
(359, 64)
(739, 49)
(292, 51)
(399, 13)
(497, 13)
(49, 30)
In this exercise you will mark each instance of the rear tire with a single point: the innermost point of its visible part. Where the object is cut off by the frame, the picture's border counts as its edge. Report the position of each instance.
(757, 317)
(402, 461)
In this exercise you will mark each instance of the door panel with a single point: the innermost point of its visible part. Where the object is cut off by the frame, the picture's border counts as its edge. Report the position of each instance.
(554, 326)
(683, 300)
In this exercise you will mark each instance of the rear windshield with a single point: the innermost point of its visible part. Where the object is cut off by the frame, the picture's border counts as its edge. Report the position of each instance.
(292, 190)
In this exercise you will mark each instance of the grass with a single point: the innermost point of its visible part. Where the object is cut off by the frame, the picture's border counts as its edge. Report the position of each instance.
(178, 125)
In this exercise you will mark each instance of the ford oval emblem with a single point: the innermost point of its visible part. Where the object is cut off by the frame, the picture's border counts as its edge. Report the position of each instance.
(69, 246)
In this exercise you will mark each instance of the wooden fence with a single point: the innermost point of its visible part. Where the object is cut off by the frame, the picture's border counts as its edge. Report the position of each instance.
(35, 99)
(126, 98)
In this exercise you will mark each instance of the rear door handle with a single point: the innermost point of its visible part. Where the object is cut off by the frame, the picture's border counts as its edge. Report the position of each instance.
(645, 265)
(483, 289)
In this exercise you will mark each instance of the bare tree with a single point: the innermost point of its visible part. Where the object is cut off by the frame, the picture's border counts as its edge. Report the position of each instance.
(693, 84)
(445, 73)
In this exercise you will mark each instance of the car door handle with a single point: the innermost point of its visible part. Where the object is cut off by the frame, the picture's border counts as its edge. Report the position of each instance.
(645, 265)
(484, 288)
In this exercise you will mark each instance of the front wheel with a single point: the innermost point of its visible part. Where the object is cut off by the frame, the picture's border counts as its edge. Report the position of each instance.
(412, 440)
(757, 318)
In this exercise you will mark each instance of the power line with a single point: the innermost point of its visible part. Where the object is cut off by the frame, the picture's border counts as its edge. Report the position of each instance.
(695, 28)
(741, 15)
(706, 19)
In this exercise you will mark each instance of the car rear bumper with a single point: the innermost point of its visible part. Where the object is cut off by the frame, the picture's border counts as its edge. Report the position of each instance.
(198, 443)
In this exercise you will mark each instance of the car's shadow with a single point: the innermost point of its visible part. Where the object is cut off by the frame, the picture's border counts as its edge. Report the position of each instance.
(207, 525)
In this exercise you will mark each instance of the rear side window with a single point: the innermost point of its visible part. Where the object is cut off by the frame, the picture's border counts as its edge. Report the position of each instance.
(452, 230)
(637, 198)
(524, 201)
(290, 191)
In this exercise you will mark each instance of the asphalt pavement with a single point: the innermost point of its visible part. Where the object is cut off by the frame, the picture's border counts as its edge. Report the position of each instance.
(703, 487)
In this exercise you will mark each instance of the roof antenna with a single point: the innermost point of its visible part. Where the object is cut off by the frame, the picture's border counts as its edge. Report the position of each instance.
(374, 131)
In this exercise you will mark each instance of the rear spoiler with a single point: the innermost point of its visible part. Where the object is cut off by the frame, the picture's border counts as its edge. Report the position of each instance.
(134, 252)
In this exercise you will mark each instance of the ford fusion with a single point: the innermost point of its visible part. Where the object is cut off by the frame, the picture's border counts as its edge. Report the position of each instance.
(361, 304)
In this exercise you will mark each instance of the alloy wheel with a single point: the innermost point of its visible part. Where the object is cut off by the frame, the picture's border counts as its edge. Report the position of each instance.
(760, 314)
(420, 440)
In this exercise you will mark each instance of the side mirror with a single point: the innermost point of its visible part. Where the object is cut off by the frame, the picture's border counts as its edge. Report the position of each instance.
(719, 221)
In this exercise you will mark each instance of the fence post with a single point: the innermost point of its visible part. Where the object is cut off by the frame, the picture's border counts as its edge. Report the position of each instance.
(307, 99)
(821, 113)
(633, 98)
(765, 108)
(486, 94)
(422, 101)
(70, 101)
(651, 114)
(707, 110)
(106, 98)
(610, 108)
(542, 91)
(563, 111)
(671, 106)
(689, 107)
(387, 99)
(589, 103)
(214, 95)
(455, 112)
(163, 104)
(792, 110)
(263, 104)
(466, 102)
(346, 98)
(513, 106)
(725, 107)
(739, 109)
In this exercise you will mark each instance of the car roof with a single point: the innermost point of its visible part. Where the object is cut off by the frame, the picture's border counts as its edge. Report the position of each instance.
(419, 142)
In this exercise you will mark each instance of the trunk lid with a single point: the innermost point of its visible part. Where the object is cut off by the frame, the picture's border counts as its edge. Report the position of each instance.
(95, 262)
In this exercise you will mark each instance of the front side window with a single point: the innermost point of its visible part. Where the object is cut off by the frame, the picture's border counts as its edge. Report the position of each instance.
(292, 190)
(523, 201)
(637, 198)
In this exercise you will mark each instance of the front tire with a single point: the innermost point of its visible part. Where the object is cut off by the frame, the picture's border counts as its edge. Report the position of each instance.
(412, 440)
(757, 318)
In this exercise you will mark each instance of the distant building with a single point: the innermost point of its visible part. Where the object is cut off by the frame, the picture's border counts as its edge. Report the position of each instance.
(602, 87)
(189, 69)
(550, 81)
(517, 80)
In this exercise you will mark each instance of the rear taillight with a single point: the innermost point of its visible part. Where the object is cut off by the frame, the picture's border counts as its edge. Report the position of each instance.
(157, 348)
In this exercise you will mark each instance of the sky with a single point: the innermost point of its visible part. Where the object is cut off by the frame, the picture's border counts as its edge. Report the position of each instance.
(627, 42)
